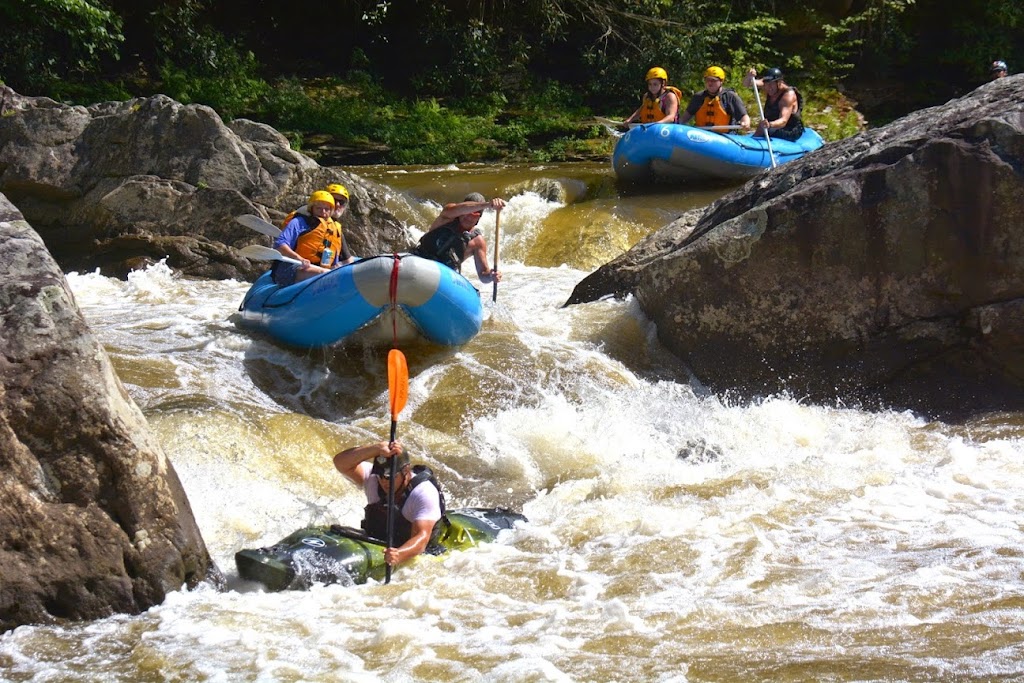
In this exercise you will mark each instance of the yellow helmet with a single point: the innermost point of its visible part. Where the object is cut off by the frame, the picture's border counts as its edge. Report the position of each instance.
(338, 188)
(715, 72)
(657, 72)
(321, 196)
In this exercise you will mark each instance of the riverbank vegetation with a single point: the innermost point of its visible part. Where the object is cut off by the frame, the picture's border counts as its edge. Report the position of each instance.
(438, 82)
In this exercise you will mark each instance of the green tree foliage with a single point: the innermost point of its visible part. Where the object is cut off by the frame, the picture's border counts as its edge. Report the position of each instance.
(855, 38)
(46, 40)
(510, 74)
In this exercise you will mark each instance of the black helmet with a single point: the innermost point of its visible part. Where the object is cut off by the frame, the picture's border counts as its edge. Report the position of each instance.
(772, 74)
(382, 465)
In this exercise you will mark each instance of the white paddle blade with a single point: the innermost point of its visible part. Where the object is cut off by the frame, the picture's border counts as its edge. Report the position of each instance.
(612, 126)
(259, 225)
(259, 253)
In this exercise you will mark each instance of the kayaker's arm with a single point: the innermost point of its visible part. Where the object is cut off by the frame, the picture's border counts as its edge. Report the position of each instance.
(672, 108)
(479, 248)
(417, 543)
(347, 462)
(634, 117)
(459, 209)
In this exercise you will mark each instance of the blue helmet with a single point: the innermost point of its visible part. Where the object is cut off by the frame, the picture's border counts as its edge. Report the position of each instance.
(998, 65)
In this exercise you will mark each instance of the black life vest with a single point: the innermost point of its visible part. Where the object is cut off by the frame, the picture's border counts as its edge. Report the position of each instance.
(446, 244)
(375, 515)
(794, 127)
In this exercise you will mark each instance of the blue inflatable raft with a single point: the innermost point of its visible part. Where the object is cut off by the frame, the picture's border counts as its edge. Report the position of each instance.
(431, 302)
(671, 152)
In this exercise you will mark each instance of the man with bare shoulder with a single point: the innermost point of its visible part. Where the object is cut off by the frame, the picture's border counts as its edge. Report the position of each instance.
(453, 236)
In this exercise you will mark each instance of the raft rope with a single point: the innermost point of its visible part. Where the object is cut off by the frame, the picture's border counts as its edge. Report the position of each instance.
(393, 297)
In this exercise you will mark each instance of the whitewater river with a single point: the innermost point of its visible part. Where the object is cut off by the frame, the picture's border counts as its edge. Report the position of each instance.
(673, 536)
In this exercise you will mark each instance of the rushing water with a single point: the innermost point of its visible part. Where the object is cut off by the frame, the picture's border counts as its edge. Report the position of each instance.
(673, 536)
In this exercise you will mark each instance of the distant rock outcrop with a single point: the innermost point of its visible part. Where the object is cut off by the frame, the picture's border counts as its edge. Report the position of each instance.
(151, 177)
(93, 518)
(886, 268)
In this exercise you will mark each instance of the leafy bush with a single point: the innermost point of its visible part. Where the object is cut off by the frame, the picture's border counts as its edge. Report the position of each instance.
(876, 25)
(832, 114)
(48, 40)
(226, 79)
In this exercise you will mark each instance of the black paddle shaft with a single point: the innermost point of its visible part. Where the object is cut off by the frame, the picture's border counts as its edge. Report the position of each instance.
(391, 505)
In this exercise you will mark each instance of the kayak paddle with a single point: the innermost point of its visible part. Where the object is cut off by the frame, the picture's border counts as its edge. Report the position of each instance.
(398, 392)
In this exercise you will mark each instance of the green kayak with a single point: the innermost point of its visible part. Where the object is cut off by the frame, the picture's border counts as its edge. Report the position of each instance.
(340, 554)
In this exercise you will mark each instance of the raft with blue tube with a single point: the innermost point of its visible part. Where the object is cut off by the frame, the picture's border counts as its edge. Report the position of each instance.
(376, 300)
(670, 152)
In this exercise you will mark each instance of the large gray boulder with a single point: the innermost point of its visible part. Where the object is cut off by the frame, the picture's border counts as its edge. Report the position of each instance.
(93, 518)
(149, 173)
(886, 268)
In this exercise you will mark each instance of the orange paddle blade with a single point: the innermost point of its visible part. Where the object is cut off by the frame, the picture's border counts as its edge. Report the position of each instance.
(398, 381)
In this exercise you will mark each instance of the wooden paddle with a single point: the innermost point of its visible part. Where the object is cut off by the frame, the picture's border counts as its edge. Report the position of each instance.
(398, 392)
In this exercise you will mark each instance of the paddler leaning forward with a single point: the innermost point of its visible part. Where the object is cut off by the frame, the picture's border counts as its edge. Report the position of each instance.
(453, 236)
(419, 504)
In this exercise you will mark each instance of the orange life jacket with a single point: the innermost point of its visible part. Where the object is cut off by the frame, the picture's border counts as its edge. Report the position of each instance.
(326, 232)
(651, 109)
(712, 113)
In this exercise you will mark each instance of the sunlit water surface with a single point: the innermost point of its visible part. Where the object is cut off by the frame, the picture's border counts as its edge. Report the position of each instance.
(673, 536)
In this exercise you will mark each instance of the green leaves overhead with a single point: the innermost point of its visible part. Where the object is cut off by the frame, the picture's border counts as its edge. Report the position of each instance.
(47, 39)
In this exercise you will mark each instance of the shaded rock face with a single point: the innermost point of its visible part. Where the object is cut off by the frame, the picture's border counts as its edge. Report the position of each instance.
(150, 173)
(93, 518)
(887, 268)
